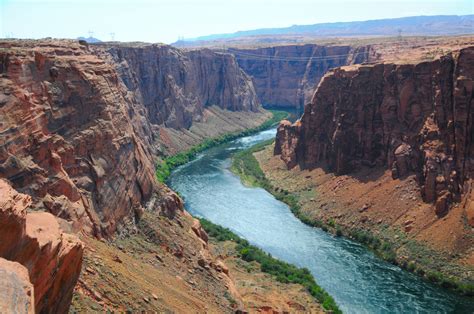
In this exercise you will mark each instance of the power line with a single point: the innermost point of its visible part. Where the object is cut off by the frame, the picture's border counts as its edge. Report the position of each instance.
(251, 56)
(292, 58)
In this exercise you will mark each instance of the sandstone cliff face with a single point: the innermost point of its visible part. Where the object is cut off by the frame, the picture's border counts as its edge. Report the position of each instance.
(175, 86)
(80, 125)
(287, 75)
(16, 295)
(79, 134)
(408, 118)
(71, 136)
(51, 258)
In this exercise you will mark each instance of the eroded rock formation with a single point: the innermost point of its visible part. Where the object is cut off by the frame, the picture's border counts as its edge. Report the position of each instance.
(287, 75)
(405, 117)
(80, 124)
(51, 258)
(79, 135)
(16, 294)
(175, 86)
(72, 137)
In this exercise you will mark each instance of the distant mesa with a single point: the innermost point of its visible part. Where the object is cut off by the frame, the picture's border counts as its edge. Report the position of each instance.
(90, 39)
(436, 25)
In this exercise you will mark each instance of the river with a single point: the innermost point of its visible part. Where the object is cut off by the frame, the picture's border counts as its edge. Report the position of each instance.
(359, 281)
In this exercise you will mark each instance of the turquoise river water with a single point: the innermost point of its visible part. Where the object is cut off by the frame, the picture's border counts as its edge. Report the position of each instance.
(359, 281)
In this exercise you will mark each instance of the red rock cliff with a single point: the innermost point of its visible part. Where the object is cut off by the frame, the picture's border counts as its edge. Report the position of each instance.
(80, 124)
(71, 135)
(78, 139)
(51, 258)
(175, 85)
(287, 75)
(405, 117)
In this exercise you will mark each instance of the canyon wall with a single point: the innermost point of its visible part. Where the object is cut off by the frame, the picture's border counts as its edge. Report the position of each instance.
(79, 136)
(72, 137)
(80, 125)
(410, 118)
(287, 75)
(175, 86)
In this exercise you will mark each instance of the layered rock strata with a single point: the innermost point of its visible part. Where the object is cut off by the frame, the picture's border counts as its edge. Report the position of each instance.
(51, 258)
(287, 75)
(79, 134)
(80, 125)
(410, 118)
(175, 86)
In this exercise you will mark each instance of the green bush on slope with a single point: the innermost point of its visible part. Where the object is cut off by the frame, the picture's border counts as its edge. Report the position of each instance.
(282, 271)
(164, 168)
(247, 167)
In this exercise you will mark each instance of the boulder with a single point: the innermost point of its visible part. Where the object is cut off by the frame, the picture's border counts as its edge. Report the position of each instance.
(53, 258)
(16, 290)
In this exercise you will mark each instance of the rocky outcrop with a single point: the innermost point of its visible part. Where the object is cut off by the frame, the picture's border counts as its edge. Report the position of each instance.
(80, 125)
(16, 292)
(287, 75)
(175, 86)
(79, 135)
(411, 118)
(51, 258)
(287, 141)
(71, 136)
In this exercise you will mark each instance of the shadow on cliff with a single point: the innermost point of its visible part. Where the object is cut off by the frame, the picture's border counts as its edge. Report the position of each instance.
(362, 173)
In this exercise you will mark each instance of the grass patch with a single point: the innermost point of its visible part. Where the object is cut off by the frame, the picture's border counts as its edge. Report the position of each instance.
(247, 167)
(164, 167)
(282, 271)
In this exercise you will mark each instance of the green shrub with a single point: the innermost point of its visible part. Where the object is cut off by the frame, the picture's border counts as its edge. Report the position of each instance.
(282, 271)
(331, 223)
(386, 246)
(411, 267)
(164, 167)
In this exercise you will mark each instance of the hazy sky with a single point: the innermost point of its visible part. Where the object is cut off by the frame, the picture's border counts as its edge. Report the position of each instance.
(166, 20)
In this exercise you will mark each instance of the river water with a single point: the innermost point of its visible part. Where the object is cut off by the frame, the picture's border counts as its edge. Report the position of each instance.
(359, 281)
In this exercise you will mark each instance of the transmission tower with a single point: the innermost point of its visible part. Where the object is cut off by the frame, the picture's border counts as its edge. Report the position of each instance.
(399, 34)
(112, 36)
(91, 34)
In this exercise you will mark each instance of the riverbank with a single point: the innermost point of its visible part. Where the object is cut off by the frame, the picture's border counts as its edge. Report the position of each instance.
(167, 164)
(190, 281)
(339, 205)
(285, 274)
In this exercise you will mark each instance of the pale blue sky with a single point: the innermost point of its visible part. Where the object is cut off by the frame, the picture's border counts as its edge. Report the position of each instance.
(165, 20)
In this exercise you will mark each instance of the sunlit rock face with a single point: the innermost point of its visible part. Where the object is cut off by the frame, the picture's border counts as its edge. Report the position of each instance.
(79, 137)
(80, 124)
(410, 118)
(42, 261)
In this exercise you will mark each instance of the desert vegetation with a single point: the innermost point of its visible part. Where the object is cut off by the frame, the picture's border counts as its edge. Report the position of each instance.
(165, 166)
(282, 271)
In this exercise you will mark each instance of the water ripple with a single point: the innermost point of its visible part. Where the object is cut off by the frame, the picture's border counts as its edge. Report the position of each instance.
(358, 280)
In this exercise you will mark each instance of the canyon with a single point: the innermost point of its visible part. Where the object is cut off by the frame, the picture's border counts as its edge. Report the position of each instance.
(83, 126)
(390, 145)
(81, 130)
